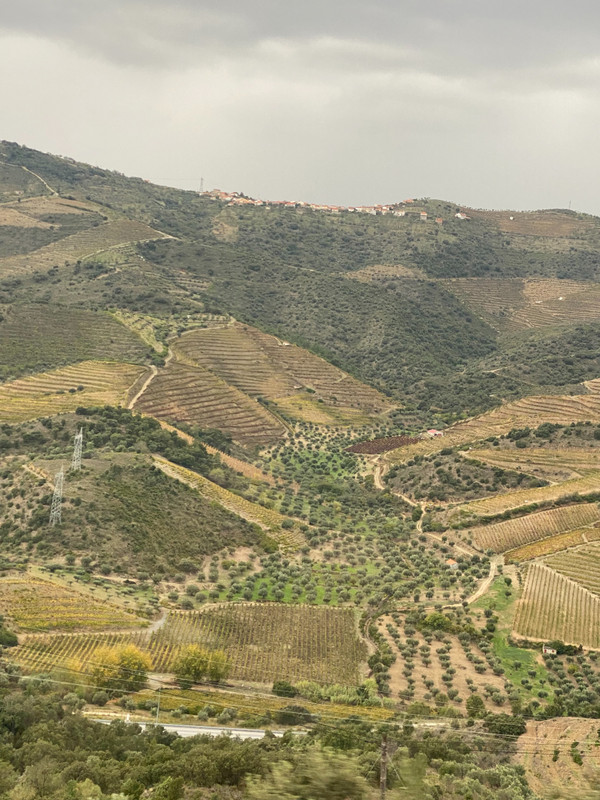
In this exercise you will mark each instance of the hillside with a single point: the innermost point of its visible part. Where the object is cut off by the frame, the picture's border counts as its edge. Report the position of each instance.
(446, 314)
(346, 463)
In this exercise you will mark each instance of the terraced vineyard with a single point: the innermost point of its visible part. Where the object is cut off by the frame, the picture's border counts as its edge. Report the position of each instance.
(517, 303)
(91, 383)
(528, 412)
(513, 533)
(80, 245)
(551, 224)
(36, 337)
(36, 605)
(181, 393)
(553, 544)
(489, 506)
(575, 303)
(555, 607)
(581, 565)
(262, 365)
(569, 458)
(262, 642)
(496, 297)
(269, 519)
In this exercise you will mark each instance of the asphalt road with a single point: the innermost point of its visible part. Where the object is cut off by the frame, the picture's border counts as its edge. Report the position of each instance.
(197, 730)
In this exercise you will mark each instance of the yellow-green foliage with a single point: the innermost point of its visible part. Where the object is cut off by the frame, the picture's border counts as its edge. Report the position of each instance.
(89, 383)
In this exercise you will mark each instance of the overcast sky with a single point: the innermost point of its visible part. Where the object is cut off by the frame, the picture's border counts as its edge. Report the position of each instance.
(339, 101)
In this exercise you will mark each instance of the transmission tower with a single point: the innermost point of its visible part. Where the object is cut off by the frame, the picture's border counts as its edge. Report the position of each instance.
(76, 461)
(55, 511)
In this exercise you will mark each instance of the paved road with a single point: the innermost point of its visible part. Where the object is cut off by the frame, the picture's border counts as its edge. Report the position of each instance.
(197, 730)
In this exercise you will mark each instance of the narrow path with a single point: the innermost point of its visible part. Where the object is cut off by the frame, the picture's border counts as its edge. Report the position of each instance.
(39, 177)
(378, 473)
(495, 561)
(145, 385)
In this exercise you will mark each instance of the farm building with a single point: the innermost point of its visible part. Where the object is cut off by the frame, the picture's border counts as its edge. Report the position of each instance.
(450, 562)
(433, 432)
(548, 651)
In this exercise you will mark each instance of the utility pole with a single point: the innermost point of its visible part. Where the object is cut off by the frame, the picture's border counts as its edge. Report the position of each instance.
(55, 511)
(383, 767)
(158, 706)
(76, 462)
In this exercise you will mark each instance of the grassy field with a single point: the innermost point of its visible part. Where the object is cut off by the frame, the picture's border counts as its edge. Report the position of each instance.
(183, 393)
(518, 663)
(263, 642)
(91, 383)
(555, 607)
(33, 605)
(37, 337)
(581, 565)
(269, 519)
(512, 533)
(253, 705)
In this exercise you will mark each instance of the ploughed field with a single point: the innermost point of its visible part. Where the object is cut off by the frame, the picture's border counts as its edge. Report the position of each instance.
(263, 642)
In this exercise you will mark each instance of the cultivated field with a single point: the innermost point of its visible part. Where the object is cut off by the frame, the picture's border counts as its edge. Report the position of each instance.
(182, 393)
(91, 383)
(489, 506)
(263, 643)
(269, 519)
(437, 666)
(569, 459)
(528, 412)
(383, 272)
(78, 246)
(513, 533)
(552, 775)
(555, 607)
(581, 565)
(30, 604)
(383, 445)
(553, 224)
(517, 303)
(37, 337)
(553, 544)
(262, 365)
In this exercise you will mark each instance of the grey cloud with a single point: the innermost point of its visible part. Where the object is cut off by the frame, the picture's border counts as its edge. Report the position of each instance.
(338, 101)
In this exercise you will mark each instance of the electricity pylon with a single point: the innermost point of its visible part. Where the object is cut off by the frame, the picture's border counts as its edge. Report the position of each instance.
(55, 511)
(76, 461)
